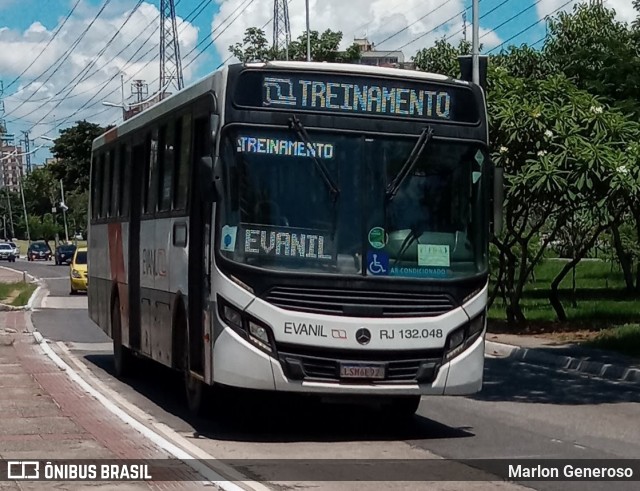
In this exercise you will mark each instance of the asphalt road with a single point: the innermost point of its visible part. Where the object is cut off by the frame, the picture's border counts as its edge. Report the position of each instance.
(524, 411)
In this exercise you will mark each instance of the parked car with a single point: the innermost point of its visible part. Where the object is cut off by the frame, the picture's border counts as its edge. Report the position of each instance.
(16, 248)
(6, 253)
(39, 250)
(78, 271)
(64, 253)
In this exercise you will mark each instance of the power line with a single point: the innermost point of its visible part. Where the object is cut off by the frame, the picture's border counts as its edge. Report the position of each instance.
(231, 55)
(512, 18)
(88, 103)
(55, 34)
(413, 23)
(481, 17)
(83, 73)
(531, 26)
(73, 46)
(105, 64)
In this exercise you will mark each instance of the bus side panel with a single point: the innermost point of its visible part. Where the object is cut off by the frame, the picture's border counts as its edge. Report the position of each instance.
(118, 253)
(147, 284)
(99, 276)
(162, 296)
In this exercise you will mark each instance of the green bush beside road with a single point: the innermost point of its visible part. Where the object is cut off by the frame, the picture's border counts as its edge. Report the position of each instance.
(16, 294)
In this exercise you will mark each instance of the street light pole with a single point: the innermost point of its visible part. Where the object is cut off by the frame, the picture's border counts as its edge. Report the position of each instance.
(24, 208)
(64, 212)
(308, 33)
(475, 52)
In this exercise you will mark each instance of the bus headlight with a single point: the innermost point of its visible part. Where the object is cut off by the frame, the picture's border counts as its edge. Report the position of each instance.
(247, 326)
(76, 274)
(463, 337)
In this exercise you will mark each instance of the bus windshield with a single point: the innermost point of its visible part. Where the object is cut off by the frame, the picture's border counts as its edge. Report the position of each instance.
(279, 213)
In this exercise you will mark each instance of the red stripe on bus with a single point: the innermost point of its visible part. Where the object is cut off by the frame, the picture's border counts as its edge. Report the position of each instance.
(116, 256)
(111, 135)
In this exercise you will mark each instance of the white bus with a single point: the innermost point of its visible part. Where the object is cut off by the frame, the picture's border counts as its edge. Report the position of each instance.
(299, 227)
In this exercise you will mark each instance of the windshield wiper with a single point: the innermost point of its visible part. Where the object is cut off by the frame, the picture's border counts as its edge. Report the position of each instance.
(297, 126)
(410, 163)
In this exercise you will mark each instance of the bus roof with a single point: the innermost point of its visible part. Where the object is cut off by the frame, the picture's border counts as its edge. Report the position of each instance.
(206, 84)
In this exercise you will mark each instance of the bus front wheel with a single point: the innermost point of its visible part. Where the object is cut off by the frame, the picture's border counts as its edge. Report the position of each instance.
(194, 387)
(121, 354)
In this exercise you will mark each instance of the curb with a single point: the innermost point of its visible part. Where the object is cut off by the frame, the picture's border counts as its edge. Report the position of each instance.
(29, 305)
(585, 366)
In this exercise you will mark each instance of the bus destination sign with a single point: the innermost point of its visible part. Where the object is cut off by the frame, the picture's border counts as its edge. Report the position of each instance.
(356, 95)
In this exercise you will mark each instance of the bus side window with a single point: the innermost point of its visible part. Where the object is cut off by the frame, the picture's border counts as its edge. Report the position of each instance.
(166, 163)
(152, 185)
(117, 183)
(125, 180)
(181, 184)
(106, 183)
(96, 189)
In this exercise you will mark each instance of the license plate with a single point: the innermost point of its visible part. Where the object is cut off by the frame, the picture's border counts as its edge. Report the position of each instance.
(350, 370)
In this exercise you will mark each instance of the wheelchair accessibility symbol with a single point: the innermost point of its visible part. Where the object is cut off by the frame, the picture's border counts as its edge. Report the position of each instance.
(377, 263)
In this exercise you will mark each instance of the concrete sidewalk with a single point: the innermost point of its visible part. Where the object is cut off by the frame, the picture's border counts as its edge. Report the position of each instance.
(45, 415)
(546, 352)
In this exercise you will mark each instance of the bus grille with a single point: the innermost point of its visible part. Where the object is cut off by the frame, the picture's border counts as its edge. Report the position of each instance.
(300, 364)
(360, 303)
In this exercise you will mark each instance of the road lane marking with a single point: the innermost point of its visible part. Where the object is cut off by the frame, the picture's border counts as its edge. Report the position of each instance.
(173, 439)
(161, 442)
(93, 347)
(65, 303)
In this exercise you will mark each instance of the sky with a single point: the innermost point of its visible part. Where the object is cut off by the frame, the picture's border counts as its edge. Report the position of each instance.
(60, 60)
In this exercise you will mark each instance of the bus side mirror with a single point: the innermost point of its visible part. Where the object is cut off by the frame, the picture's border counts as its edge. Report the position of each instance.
(205, 179)
(498, 200)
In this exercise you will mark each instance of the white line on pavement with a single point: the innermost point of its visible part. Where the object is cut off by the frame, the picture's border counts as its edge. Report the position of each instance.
(157, 439)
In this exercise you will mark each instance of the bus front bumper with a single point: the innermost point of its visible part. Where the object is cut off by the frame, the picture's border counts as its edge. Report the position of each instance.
(237, 363)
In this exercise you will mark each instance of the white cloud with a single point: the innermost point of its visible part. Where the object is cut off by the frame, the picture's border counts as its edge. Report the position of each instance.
(138, 39)
(376, 19)
(624, 8)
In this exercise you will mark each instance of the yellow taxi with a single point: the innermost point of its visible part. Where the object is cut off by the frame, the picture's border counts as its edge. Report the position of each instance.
(78, 271)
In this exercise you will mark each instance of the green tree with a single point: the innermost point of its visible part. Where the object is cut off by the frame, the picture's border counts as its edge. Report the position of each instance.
(563, 152)
(254, 47)
(41, 193)
(442, 58)
(78, 203)
(598, 52)
(73, 151)
(324, 47)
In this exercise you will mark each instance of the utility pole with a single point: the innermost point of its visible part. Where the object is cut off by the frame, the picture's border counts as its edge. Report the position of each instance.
(27, 152)
(476, 43)
(63, 205)
(281, 27)
(308, 33)
(464, 25)
(10, 213)
(24, 209)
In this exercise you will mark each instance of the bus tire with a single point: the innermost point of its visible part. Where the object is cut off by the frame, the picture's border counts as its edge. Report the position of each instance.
(194, 388)
(121, 354)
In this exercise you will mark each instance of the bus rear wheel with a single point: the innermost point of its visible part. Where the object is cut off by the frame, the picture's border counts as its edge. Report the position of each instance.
(122, 357)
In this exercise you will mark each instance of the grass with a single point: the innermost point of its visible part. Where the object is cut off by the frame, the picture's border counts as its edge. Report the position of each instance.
(601, 313)
(16, 294)
(624, 339)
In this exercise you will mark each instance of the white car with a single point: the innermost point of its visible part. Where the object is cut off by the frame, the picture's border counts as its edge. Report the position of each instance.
(6, 253)
(16, 249)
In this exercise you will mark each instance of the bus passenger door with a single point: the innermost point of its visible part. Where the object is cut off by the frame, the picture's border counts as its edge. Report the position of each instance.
(199, 220)
(137, 167)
